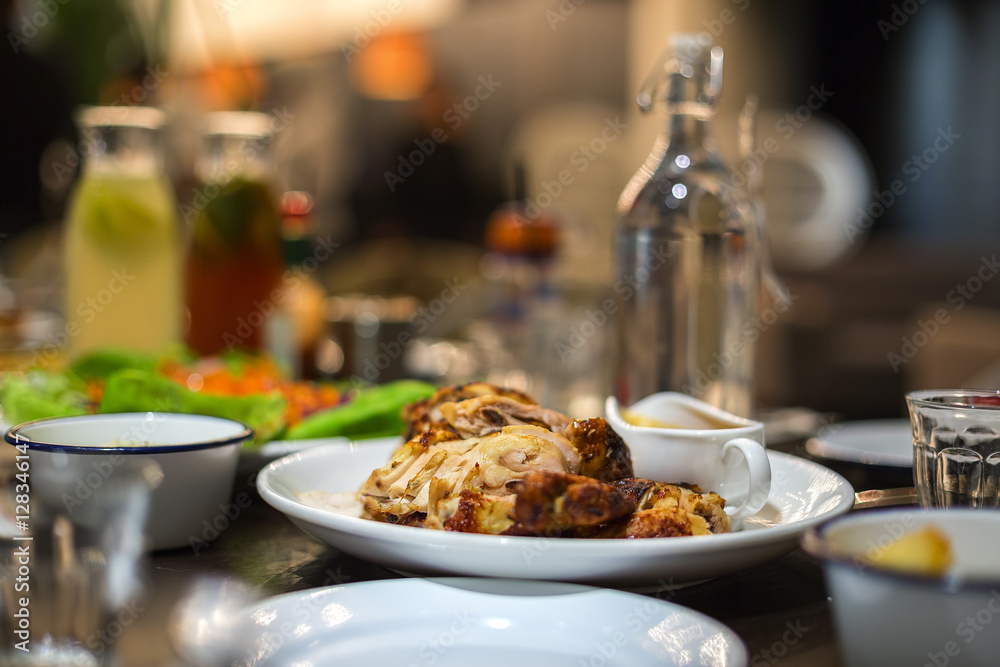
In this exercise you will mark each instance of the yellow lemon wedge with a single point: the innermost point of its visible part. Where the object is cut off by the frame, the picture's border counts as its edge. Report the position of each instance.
(924, 552)
(125, 214)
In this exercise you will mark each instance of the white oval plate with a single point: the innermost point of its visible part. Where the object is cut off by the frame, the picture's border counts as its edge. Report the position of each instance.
(487, 623)
(884, 442)
(802, 494)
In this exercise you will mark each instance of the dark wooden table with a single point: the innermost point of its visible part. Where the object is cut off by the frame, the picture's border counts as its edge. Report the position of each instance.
(780, 608)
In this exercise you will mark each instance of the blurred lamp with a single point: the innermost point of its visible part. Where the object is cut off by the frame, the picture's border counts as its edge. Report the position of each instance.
(209, 32)
(393, 67)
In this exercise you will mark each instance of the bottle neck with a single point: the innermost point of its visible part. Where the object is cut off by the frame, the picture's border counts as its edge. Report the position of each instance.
(688, 135)
(687, 90)
(122, 150)
(226, 156)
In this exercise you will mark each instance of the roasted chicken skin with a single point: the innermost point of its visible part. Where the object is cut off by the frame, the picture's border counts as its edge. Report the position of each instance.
(426, 414)
(484, 459)
(604, 455)
(668, 510)
(553, 504)
(487, 414)
(437, 465)
(543, 503)
(478, 409)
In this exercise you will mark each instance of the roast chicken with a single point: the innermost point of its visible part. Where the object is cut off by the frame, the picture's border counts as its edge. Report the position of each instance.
(426, 414)
(484, 459)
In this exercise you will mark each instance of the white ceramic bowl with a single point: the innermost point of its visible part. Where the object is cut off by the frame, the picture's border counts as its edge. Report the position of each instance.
(889, 618)
(70, 456)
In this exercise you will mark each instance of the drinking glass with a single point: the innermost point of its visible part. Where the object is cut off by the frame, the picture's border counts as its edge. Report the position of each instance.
(956, 447)
(71, 561)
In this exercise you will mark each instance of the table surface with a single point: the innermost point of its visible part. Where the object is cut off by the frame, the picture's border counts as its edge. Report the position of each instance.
(264, 551)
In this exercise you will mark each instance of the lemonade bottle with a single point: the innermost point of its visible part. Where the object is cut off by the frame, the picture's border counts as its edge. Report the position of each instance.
(122, 249)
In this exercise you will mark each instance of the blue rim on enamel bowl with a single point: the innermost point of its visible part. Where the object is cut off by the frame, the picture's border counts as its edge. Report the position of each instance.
(815, 542)
(16, 437)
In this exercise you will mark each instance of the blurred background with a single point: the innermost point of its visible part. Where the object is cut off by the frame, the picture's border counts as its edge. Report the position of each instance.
(409, 125)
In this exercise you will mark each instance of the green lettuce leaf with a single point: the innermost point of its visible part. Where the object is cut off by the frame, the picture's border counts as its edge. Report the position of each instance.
(133, 390)
(371, 413)
(39, 394)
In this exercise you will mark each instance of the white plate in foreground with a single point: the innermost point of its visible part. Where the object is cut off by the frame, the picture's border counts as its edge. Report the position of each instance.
(487, 623)
(802, 494)
(884, 442)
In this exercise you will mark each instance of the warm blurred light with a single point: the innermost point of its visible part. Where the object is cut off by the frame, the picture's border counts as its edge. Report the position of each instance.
(231, 87)
(393, 67)
(209, 32)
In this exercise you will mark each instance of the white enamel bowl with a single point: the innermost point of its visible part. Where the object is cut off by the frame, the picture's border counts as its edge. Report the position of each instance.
(71, 456)
(889, 618)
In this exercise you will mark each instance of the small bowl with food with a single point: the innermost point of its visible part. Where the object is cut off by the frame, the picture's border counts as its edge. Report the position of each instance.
(69, 458)
(912, 586)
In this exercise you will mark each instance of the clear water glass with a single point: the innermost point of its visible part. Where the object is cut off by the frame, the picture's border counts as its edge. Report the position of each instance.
(72, 568)
(956, 447)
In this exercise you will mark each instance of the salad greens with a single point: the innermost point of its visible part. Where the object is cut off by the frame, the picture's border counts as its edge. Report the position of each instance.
(101, 364)
(117, 380)
(139, 390)
(372, 413)
(38, 394)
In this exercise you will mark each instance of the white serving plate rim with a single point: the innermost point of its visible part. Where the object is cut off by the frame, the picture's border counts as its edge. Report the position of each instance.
(274, 490)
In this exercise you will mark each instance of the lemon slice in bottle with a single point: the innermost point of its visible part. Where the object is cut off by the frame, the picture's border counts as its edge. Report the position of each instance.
(124, 215)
